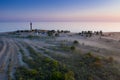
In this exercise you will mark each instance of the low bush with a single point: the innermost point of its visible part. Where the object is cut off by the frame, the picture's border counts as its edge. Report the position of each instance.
(110, 59)
(69, 76)
(72, 48)
(75, 42)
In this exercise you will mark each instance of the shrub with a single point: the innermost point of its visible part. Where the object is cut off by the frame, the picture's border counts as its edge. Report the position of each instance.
(69, 76)
(47, 60)
(89, 55)
(55, 64)
(57, 34)
(23, 73)
(72, 48)
(57, 76)
(75, 42)
(33, 72)
(97, 64)
(110, 59)
(30, 36)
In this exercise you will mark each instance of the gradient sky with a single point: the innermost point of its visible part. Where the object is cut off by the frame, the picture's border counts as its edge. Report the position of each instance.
(60, 10)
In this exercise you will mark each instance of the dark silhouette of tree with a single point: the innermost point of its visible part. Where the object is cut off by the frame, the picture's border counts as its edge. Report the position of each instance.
(58, 31)
(75, 42)
(57, 35)
(101, 33)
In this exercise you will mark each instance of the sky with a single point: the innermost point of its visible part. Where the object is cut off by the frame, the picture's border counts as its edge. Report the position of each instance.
(60, 10)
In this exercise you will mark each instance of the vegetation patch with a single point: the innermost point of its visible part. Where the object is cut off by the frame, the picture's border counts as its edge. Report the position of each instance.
(76, 66)
(42, 68)
(90, 67)
(75, 42)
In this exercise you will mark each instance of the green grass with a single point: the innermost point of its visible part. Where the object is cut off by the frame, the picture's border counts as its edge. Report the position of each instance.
(89, 67)
(75, 66)
(42, 68)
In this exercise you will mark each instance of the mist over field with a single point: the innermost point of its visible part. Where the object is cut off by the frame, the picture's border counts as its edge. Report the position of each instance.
(59, 40)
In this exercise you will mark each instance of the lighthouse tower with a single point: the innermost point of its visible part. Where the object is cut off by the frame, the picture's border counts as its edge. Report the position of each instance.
(30, 26)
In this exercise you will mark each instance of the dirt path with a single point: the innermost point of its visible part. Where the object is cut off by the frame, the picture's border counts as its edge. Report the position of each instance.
(8, 58)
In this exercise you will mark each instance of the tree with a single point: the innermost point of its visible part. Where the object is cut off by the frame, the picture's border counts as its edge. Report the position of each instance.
(58, 31)
(50, 33)
(101, 33)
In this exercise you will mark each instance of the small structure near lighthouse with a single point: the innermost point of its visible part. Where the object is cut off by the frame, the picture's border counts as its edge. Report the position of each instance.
(30, 26)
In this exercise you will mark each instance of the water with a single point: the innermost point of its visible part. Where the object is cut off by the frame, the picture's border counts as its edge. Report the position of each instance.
(72, 26)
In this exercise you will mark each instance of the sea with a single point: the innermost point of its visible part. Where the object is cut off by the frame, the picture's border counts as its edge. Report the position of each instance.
(71, 26)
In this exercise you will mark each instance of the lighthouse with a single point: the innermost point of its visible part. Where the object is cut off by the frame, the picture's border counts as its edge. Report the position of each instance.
(30, 26)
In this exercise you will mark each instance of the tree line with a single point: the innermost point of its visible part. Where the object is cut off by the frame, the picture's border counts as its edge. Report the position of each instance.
(90, 33)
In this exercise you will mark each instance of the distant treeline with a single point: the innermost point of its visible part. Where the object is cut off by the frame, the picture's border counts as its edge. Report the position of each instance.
(56, 33)
(90, 33)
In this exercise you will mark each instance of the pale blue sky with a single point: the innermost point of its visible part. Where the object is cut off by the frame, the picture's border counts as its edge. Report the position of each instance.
(59, 10)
